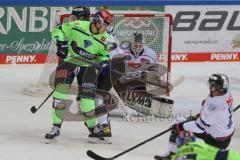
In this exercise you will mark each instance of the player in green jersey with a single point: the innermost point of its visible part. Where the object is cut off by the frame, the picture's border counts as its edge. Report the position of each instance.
(85, 40)
(202, 151)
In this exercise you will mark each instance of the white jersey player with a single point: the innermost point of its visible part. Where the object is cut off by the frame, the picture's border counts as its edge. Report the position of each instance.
(214, 124)
(141, 62)
(137, 53)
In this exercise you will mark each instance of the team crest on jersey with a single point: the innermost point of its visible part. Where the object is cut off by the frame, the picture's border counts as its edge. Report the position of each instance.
(212, 107)
(87, 43)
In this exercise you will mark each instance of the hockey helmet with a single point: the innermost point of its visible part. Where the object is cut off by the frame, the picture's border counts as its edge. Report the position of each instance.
(219, 81)
(103, 16)
(137, 44)
(82, 11)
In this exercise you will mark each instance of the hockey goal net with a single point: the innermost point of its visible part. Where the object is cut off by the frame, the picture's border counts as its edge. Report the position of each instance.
(154, 26)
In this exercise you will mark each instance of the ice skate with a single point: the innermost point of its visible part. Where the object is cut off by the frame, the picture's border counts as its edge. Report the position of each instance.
(165, 156)
(100, 134)
(51, 136)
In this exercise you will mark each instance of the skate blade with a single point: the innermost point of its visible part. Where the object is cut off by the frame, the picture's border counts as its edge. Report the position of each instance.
(95, 140)
(50, 141)
(161, 158)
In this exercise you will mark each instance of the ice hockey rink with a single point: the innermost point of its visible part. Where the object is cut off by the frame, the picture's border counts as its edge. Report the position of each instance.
(22, 133)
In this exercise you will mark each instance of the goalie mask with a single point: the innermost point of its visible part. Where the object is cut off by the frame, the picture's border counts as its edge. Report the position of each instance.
(81, 11)
(137, 44)
(219, 82)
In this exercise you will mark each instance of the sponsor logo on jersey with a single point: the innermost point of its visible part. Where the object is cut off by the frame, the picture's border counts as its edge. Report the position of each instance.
(88, 85)
(87, 43)
(61, 73)
(133, 65)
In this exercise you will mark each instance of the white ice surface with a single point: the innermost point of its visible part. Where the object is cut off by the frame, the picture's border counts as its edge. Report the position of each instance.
(21, 132)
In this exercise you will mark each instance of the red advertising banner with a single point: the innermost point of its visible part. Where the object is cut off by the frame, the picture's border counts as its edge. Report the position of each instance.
(22, 58)
(176, 57)
(210, 56)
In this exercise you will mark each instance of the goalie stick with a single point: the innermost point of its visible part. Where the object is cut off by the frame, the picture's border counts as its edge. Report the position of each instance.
(95, 156)
(159, 92)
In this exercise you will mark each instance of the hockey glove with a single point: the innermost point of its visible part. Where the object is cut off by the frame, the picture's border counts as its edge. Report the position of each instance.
(105, 67)
(62, 49)
(193, 118)
(178, 128)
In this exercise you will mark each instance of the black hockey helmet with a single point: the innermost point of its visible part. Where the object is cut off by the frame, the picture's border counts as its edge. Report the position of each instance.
(219, 81)
(81, 11)
(137, 44)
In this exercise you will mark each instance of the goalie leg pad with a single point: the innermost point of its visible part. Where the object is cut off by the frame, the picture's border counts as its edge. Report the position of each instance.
(147, 104)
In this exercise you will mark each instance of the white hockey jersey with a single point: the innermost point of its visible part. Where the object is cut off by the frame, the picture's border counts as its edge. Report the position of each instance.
(148, 56)
(215, 117)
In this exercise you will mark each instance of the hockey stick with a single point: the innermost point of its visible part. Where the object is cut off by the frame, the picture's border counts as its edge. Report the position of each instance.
(121, 105)
(176, 83)
(98, 157)
(236, 108)
(34, 109)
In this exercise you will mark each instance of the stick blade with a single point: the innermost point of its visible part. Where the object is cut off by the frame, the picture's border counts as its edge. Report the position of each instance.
(33, 109)
(96, 156)
(178, 81)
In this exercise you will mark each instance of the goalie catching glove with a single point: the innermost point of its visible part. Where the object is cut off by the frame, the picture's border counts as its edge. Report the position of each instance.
(131, 76)
(149, 77)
